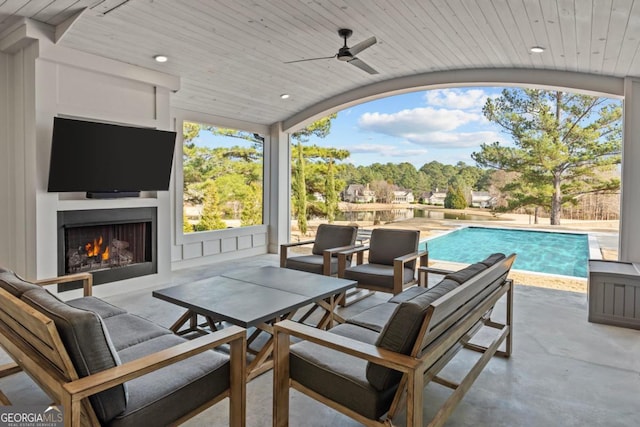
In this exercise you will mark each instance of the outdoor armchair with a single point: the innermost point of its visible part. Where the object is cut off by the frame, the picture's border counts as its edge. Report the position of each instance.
(329, 240)
(391, 264)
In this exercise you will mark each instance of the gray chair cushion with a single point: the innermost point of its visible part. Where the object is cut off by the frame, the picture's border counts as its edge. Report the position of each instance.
(376, 274)
(374, 318)
(88, 344)
(15, 285)
(98, 306)
(400, 333)
(466, 273)
(163, 396)
(338, 376)
(331, 236)
(388, 244)
(311, 264)
(493, 258)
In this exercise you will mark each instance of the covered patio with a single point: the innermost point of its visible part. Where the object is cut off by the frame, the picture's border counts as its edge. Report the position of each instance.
(564, 371)
(228, 65)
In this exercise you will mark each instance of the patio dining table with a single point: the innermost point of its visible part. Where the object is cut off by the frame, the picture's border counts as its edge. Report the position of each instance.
(255, 298)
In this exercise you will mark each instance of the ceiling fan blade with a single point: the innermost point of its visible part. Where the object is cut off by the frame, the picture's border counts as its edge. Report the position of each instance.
(362, 45)
(363, 66)
(309, 59)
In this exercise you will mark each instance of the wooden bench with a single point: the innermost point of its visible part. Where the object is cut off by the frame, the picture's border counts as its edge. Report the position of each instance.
(33, 341)
(352, 380)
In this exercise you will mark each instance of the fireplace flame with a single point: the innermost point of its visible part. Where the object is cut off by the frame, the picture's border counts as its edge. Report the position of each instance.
(105, 254)
(93, 249)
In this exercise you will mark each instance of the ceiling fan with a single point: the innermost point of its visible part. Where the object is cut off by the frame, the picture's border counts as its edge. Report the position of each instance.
(348, 54)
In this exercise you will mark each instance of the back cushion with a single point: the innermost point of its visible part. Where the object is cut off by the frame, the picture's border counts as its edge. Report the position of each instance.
(333, 236)
(493, 258)
(387, 244)
(88, 345)
(13, 284)
(466, 273)
(401, 331)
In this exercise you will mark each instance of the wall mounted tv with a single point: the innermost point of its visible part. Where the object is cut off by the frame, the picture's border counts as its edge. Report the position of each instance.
(106, 160)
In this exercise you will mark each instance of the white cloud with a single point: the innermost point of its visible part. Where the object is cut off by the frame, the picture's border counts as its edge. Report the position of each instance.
(386, 150)
(447, 140)
(469, 99)
(417, 120)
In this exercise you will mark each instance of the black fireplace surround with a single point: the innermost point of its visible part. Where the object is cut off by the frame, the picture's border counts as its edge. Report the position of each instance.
(112, 244)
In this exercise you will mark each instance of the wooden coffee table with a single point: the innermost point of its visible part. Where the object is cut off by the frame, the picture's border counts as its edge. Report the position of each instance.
(255, 298)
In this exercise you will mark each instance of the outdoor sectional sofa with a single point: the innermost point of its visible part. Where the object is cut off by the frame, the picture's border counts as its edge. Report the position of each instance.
(368, 366)
(110, 367)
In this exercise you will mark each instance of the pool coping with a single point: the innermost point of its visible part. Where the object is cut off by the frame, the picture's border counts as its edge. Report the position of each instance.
(592, 242)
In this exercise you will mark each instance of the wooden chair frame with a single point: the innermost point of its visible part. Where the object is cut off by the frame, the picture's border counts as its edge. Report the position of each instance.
(33, 342)
(326, 254)
(449, 325)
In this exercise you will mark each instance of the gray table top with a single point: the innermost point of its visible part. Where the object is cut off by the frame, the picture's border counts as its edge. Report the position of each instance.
(252, 296)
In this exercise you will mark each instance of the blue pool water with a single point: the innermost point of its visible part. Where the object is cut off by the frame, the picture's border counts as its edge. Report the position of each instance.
(538, 251)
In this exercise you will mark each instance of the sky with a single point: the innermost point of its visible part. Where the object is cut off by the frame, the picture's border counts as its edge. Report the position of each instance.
(445, 125)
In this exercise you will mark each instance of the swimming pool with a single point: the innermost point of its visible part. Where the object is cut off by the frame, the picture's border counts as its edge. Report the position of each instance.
(538, 251)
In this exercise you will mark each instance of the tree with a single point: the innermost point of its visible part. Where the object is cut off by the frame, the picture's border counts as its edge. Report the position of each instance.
(563, 145)
(320, 129)
(211, 218)
(455, 198)
(331, 196)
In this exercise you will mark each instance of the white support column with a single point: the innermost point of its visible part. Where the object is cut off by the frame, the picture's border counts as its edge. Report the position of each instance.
(279, 188)
(629, 246)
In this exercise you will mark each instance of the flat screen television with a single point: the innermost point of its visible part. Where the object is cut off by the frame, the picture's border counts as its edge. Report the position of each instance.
(107, 160)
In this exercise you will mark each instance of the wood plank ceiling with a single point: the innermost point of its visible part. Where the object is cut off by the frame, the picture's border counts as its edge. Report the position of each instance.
(230, 54)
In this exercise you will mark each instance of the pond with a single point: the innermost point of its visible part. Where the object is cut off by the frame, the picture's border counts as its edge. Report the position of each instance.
(387, 215)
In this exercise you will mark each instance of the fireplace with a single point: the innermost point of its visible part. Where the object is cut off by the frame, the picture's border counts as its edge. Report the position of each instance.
(112, 244)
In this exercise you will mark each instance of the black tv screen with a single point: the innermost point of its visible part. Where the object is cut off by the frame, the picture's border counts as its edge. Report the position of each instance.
(106, 158)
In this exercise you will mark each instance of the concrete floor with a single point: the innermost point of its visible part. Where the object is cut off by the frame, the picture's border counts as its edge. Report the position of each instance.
(564, 370)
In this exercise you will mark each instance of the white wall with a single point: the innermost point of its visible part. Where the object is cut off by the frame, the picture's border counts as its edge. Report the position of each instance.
(6, 231)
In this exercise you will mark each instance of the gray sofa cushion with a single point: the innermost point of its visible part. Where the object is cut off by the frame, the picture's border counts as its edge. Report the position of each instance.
(127, 330)
(311, 264)
(88, 345)
(331, 236)
(408, 294)
(400, 333)
(376, 274)
(388, 244)
(493, 258)
(98, 306)
(374, 318)
(14, 284)
(164, 395)
(338, 376)
(466, 273)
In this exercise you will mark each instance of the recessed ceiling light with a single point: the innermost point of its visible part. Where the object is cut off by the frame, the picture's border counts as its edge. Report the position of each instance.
(161, 58)
(285, 96)
(537, 49)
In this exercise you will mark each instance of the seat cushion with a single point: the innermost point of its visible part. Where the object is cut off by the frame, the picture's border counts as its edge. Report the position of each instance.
(374, 318)
(388, 244)
(88, 344)
(15, 285)
(98, 306)
(331, 236)
(400, 333)
(311, 264)
(340, 377)
(127, 330)
(376, 275)
(163, 396)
